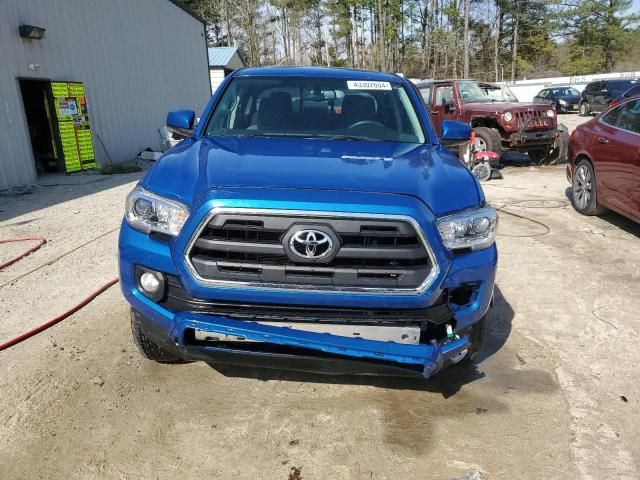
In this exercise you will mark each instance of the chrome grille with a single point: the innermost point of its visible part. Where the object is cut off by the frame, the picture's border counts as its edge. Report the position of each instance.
(378, 253)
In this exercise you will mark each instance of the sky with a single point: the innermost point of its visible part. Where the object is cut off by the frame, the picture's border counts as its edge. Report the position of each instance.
(636, 6)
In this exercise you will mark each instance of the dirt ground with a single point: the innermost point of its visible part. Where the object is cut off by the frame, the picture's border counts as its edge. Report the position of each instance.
(556, 394)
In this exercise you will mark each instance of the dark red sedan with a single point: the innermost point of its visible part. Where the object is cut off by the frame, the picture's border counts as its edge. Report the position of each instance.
(604, 162)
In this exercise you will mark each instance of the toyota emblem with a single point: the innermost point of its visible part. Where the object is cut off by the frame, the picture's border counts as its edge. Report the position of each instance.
(311, 244)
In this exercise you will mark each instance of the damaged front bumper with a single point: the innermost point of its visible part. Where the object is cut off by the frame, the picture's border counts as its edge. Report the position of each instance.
(348, 355)
(430, 358)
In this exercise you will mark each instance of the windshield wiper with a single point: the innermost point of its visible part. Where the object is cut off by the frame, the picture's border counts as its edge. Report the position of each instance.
(355, 138)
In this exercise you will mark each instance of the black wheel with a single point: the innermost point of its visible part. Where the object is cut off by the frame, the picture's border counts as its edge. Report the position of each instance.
(146, 346)
(538, 156)
(585, 109)
(488, 139)
(584, 198)
(477, 336)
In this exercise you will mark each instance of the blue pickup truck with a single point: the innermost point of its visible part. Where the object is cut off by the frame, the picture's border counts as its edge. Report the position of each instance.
(311, 221)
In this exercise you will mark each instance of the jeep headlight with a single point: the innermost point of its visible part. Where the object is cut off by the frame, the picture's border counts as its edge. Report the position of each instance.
(562, 102)
(475, 229)
(508, 116)
(147, 213)
(551, 113)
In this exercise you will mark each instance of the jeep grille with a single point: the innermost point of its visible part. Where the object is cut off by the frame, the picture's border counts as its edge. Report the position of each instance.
(534, 120)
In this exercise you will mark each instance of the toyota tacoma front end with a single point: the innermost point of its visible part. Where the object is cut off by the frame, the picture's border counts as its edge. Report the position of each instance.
(312, 221)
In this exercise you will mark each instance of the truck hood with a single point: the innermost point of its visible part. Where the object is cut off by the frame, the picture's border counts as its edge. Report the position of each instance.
(427, 172)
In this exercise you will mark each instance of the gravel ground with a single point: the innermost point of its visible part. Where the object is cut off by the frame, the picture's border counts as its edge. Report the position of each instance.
(556, 394)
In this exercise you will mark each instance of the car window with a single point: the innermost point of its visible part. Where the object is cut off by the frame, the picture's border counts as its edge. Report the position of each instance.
(611, 118)
(305, 107)
(444, 95)
(629, 117)
(425, 92)
(632, 91)
(565, 92)
(543, 94)
(617, 88)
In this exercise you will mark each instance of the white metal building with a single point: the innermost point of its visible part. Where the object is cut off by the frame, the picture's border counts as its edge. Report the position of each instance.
(223, 61)
(80, 78)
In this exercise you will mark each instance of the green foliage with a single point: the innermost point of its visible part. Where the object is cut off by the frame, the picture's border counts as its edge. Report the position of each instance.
(424, 38)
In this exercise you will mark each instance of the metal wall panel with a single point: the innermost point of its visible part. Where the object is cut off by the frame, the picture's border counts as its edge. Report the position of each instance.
(137, 59)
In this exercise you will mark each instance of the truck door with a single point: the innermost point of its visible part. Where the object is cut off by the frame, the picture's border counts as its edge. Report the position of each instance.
(443, 106)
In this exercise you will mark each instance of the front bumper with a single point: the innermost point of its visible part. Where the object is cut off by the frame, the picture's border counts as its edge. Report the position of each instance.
(173, 330)
(524, 140)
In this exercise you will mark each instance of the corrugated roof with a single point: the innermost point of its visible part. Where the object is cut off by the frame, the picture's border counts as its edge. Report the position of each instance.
(221, 56)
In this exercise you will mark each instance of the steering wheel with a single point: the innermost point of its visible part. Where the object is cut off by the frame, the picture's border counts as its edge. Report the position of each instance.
(365, 123)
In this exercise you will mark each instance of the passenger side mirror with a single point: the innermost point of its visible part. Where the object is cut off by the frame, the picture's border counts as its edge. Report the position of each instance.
(181, 122)
(454, 133)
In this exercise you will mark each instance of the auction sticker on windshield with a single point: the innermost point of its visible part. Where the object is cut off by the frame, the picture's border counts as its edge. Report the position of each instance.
(367, 85)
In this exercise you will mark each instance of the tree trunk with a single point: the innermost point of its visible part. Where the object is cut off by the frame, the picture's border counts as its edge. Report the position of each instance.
(498, 40)
(465, 51)
(514, 50)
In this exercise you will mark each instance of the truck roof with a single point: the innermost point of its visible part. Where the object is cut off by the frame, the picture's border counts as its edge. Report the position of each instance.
(319, 72)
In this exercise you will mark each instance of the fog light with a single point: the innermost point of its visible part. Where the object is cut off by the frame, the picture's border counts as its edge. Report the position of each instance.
(149, 282)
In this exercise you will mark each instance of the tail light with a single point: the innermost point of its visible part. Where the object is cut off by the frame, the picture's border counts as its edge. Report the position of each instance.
(613, 102)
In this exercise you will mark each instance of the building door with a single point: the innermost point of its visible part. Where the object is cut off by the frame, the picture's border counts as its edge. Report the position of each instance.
(59, 126)
(38, 105)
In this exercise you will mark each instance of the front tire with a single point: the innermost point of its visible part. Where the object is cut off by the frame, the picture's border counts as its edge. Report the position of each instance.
(583, 186)
(585, 109)
(488, 139)
(147, 347)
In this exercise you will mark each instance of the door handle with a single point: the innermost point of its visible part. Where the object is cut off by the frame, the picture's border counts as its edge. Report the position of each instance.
(602, 140)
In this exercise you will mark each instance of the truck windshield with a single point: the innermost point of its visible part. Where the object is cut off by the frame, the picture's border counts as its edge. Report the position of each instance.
(304, 107)
(484, 92)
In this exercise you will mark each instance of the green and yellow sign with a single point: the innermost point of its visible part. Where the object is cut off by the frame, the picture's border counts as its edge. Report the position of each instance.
(73, 125)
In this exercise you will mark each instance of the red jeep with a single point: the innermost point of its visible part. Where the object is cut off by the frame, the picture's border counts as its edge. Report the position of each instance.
(499, 121)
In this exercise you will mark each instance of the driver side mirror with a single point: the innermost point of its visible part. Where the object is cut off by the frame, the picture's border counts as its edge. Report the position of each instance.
(454, 133)
(181, 122)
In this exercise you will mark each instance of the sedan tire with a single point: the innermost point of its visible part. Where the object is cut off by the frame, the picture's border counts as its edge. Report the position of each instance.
(585, 109)
(584, 198)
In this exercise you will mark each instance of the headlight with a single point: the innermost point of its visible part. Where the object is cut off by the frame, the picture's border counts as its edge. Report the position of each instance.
(150, 213)
(551, 113)
(562, 102)
(474, 230)
(508, 116)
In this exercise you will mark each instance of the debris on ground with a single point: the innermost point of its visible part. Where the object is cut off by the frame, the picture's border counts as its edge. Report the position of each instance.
(477, 475)
(295, 473)
(97, 381)
(120, 169)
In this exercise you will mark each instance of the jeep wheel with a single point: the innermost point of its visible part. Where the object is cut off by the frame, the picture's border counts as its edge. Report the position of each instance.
(148, 348)
(585, 109)
(488, 139)
(538, 157)
(584, 198)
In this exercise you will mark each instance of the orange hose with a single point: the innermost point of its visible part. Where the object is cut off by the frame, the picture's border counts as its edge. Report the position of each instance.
(22, 337)
(41, 241)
